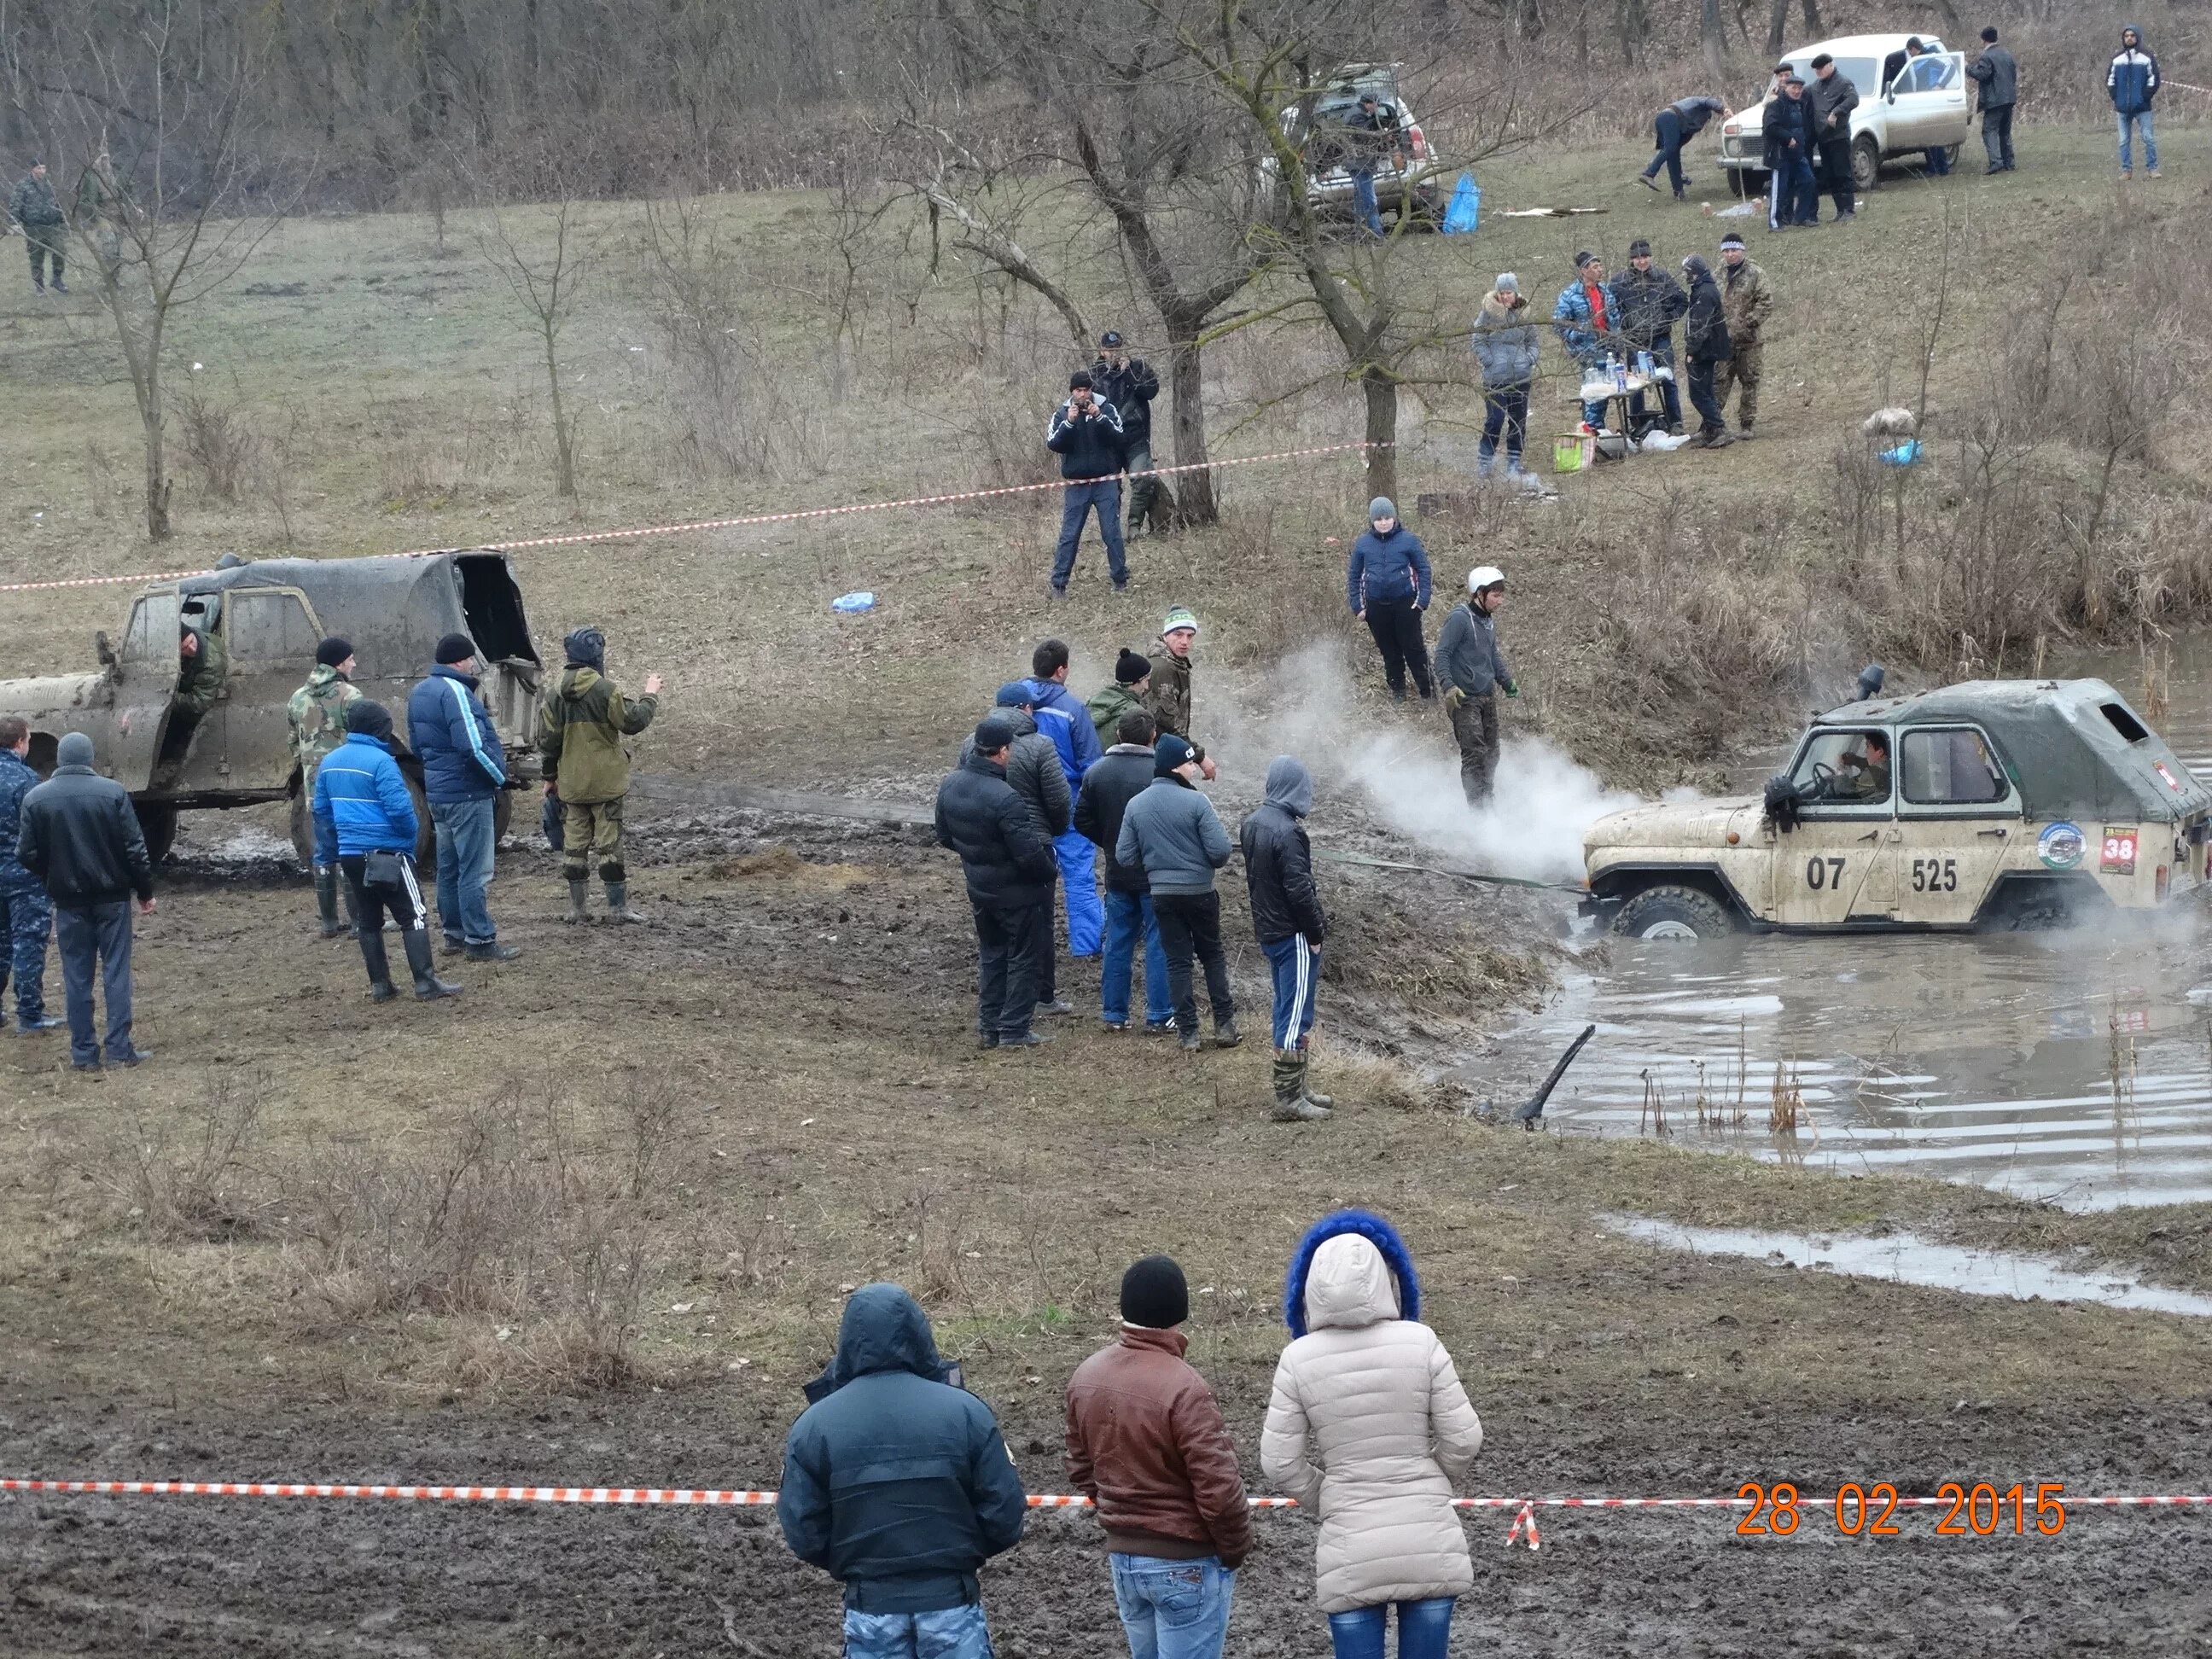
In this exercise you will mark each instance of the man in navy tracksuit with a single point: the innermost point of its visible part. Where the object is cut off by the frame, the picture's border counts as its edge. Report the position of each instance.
(1792, 195)
(1387, 586)
(362, 807)
(1085, 433)
(1062, 716)
(464, 768)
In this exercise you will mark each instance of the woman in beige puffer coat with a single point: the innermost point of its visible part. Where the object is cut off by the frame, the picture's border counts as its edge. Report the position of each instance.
(1369, 1429)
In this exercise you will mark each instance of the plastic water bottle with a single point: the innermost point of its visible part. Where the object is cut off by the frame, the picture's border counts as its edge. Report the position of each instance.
(1619, 376)
(1644, 364)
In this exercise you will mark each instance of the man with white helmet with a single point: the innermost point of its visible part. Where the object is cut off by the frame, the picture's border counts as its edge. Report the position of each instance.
(1472, 672)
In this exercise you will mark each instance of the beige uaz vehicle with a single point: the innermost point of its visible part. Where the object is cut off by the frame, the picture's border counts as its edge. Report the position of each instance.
(1990, 804)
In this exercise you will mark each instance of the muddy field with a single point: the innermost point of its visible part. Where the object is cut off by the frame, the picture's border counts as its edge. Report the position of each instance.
(199, 1300)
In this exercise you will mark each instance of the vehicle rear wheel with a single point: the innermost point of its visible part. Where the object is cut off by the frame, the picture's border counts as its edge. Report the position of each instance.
(158, 823)
(1866, 163)
(426, 833)
(1673, 912)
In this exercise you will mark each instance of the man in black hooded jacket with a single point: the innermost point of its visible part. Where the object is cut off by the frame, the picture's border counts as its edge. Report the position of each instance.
(1287, 914)
(1010, 867)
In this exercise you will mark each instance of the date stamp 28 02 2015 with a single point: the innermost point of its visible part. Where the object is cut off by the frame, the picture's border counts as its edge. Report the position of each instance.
(1980, 1511)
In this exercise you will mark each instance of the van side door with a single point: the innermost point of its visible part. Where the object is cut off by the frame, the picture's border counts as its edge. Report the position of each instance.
(1845, 820)
(271, 634)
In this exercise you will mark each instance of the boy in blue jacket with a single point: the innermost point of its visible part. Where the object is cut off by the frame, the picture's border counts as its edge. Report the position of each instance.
(362, 806)
(1062, 716)
(1387, 586)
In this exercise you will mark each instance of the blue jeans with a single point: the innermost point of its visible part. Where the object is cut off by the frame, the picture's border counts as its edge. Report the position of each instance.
(1423, 1629)
(1364, 208)
(1939, 161)
(1592, 367)
(26, 917)
(954, 1633)
(1173, 1609)
(1128, 915)
(2143, 124)
(1296, 967)
(1667, 135)
(1793, 193)
(95, 941)
(1506, 417)
(1078, 879)
(465, 850)
(1076, 503)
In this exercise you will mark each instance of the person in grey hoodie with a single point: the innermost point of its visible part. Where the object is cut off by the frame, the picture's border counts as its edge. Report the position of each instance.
(1287, 917)
(1034, 770)
(1473, 671)
(1172, 830)
(1506, 344)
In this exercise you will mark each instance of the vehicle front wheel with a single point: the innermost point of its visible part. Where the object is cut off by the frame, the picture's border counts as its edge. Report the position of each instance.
(1866, 163)
(1743, 183)
(1673, 912)
(157, 822)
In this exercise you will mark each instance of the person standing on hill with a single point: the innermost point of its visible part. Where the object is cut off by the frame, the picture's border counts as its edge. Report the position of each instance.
(1792, 197)
(1583, 314)
(1129, 384)
(464, 769)
(316, 715)
(27, 916)
(79, 834)
(1034, 773)
(1832, 97)
(1650, 302)
(1085, 433)
(363, 809)
(1386, 585)
(1997, 78)
(1672, 129)
(1286, 916)
(1474, 671)
(1169, 697)
(1172, 831)
(1146, 1445)
(1506, 345)
(1125, 773)
(1706, 340)
(34, 205)
(1008, 860)
(1069, 724)
(1373, 138)
(898, 1484)
(2133, 83)
(1133, 678)
(1745, 301)
(580, 744)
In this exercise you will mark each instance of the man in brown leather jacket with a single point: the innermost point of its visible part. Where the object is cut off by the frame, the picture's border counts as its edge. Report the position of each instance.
(1146, 1445)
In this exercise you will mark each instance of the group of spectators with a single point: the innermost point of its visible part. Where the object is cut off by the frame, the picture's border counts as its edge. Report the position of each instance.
(1045, 785)
(897, 1482)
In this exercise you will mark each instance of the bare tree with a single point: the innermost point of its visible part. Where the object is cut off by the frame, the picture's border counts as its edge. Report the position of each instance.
(1712, 40)
(546, 273)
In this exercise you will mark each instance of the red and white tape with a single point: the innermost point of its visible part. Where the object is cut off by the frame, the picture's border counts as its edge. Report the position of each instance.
(636, 532)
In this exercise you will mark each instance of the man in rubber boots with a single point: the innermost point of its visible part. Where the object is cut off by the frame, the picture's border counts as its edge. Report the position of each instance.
(1472, 672)
(1286, 915)
(579, 741)
(363, 809)
(316, 714)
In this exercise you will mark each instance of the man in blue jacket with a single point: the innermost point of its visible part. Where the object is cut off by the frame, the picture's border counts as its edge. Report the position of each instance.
(362, 808)
(464, 769)
(1085, 433)
(1062, 717)
(898, 1484)
(1387, 586)
(2133, 83)
(26, 916)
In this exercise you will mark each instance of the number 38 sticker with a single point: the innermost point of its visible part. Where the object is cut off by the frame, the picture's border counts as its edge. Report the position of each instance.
(2119, 852)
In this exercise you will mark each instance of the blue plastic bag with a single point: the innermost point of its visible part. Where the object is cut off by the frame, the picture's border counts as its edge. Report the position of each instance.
(1465, 213)
(1904, 455)
(853, 604)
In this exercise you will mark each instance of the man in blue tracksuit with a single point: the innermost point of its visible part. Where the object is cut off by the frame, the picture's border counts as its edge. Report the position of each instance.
(1386, 584)
(1793, 196)
(1085, 433)
(464, 769)
(1060, 715)
(363, 809)
(2132, 80)
(26, 916)
(898, 1484)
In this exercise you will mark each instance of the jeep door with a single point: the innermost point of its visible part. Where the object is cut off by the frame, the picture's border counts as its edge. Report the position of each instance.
(1957, 816)
(1927, 103)
(271, 634)
(1835, 868)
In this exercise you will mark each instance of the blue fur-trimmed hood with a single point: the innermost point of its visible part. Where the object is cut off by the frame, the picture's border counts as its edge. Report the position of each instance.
(1391, 1249)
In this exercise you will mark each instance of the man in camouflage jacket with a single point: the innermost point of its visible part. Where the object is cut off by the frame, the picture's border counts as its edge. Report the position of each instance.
(317, 715)
(34, 206)
(580, 735)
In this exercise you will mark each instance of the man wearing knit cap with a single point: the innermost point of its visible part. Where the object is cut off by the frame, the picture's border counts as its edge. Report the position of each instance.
(1507, 344)
(316, 714)
(1147, 1445)
(1583, 314)
(1650, 302)
(1008, 862)
(1132, 677)
(1386, 584)
(362, 806)
(1171, 830)
(1170, 697)
(1034, 773)
(1745, 301)
(464, 769)
(580, 744)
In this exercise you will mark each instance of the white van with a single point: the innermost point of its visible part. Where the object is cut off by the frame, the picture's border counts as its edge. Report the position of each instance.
(1925, 108)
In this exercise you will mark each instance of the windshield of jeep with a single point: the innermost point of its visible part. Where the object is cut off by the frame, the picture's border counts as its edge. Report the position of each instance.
(1851, 767)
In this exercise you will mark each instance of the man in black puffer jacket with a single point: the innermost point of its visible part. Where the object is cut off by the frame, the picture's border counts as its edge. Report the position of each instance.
(1286, 915)
(1010, 866)
(1125, 773)
(1085, 433)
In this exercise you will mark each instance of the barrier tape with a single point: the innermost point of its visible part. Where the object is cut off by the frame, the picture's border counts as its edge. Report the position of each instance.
(715, 1497)
(636, 532)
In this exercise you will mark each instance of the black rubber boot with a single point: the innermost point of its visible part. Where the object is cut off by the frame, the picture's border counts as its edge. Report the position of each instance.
(619, 909)
(379, 967)
(577, 888)
(326, 902)
(1291, 1103)
(428, 986)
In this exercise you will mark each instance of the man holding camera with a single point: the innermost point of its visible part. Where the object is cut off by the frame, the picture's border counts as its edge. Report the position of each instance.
(1085, 433)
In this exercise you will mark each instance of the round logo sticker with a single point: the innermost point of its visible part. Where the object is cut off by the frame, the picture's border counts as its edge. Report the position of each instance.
(2061, 846)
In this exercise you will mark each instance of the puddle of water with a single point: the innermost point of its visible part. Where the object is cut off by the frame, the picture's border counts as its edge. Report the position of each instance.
(1908, 1260)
